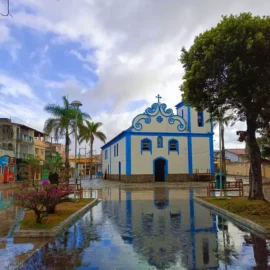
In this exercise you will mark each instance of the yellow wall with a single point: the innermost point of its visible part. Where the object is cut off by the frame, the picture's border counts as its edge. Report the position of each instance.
(40, 148)
(242, 169)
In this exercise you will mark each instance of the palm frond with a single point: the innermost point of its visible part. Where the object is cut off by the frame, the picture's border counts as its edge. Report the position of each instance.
(101, 136)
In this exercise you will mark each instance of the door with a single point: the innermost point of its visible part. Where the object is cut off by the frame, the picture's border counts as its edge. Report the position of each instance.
(160, 165)
(119, 170)
(6, 174)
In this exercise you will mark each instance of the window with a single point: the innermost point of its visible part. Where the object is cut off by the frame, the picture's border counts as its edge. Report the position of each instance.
(200, 119)
(117, 149)
(146, 145)
(159, 142)
(10, 147)
(114, 152)
(106, 154)
(173, 146)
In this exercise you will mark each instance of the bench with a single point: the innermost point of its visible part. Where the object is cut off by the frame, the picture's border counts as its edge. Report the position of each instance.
(229, 186)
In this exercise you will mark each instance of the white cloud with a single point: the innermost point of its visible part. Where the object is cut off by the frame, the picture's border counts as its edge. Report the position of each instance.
(12, 87)
(135, 46)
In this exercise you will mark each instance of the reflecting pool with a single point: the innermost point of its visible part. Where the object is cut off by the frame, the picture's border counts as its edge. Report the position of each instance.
(151, 228)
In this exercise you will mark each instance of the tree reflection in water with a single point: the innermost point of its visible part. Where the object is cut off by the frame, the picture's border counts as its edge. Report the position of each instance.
(67, 250)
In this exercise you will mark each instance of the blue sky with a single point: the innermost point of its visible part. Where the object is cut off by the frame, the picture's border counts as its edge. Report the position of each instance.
(113, 56)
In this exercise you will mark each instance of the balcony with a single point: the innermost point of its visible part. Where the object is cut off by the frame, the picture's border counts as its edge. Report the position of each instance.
(25, 138)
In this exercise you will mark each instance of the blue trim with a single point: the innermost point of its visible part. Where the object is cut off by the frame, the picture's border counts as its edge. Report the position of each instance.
(201, 115)
(115, 139)
(172, 134)
(211, 150)
(179, 105)
(156, 111)
(128, 154)
(150, 145)
(119, 168)
(177, 146)
(190, 158)
(111, 159)
(182, 113)
(192, 228)
(160, 146)
(166, 166)
(189, 119)
(129, 217)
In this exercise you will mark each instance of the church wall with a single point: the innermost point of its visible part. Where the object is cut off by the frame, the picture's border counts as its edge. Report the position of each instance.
(194, 122)
(143, 163)
(113, 161)
(200, 155)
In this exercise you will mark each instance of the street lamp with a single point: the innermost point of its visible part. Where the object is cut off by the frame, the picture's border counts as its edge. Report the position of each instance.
(76, 104)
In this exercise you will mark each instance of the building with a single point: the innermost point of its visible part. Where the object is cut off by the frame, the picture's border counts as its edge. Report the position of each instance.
(234, 155)
(16, 143)
(84, 164)
(161, 146)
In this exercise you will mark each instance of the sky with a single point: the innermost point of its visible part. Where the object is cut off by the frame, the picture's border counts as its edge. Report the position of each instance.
(114, 56)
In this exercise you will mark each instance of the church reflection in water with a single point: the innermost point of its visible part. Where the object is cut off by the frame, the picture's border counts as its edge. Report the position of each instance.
(167, 230)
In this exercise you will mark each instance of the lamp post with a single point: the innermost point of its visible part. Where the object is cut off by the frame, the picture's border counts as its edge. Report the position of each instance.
(84, 160)
(76, 104)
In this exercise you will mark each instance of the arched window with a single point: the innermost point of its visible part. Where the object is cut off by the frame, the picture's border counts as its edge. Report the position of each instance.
(159, 142)
(200, 119)
(146, 145)
(173, 146)
(10, 147)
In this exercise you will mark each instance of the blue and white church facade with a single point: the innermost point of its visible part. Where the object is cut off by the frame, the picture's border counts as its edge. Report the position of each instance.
(161, 146)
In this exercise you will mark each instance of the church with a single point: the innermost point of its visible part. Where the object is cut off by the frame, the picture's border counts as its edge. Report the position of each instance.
(161, 146)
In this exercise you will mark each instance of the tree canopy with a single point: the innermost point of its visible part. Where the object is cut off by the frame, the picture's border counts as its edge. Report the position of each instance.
(228, 68)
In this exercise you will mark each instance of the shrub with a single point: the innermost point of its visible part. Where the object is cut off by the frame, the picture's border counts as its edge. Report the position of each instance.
(42, 199)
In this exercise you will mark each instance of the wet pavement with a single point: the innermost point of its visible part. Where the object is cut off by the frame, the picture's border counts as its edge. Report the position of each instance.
(144, 228)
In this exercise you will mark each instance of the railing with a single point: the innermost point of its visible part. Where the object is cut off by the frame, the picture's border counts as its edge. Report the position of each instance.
(22, 155)
(25, 138)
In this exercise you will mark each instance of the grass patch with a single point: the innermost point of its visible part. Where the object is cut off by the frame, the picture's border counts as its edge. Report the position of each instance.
(63, 211)
(256, 211)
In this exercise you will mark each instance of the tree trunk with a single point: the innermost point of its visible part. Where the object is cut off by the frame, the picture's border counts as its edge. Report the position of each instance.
(255, 173)
(38, 217)
(67, 150)
(50, 209)
(260, 252)
(223, 150)
(91, 159)
(67, 155)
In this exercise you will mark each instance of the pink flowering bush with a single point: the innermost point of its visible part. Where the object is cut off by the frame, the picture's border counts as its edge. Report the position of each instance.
(42, 199)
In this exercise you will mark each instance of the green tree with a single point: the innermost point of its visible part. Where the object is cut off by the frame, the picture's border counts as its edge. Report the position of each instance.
(223, 118)
(88, 133)
(228, 66)
(62, 122)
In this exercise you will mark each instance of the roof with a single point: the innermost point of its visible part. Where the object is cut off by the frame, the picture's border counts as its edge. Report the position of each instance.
(27, 127)
(238, 152)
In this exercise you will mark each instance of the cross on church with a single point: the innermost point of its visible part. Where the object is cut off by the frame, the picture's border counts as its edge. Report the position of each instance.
(158, 97)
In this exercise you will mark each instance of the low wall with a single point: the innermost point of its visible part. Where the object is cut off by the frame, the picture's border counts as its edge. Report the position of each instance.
(150, 178)
(242, 169)
(58, 229)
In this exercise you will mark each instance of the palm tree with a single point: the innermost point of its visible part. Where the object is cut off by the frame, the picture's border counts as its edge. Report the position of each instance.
(223, 119)
(88, 133)
(62, 122)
